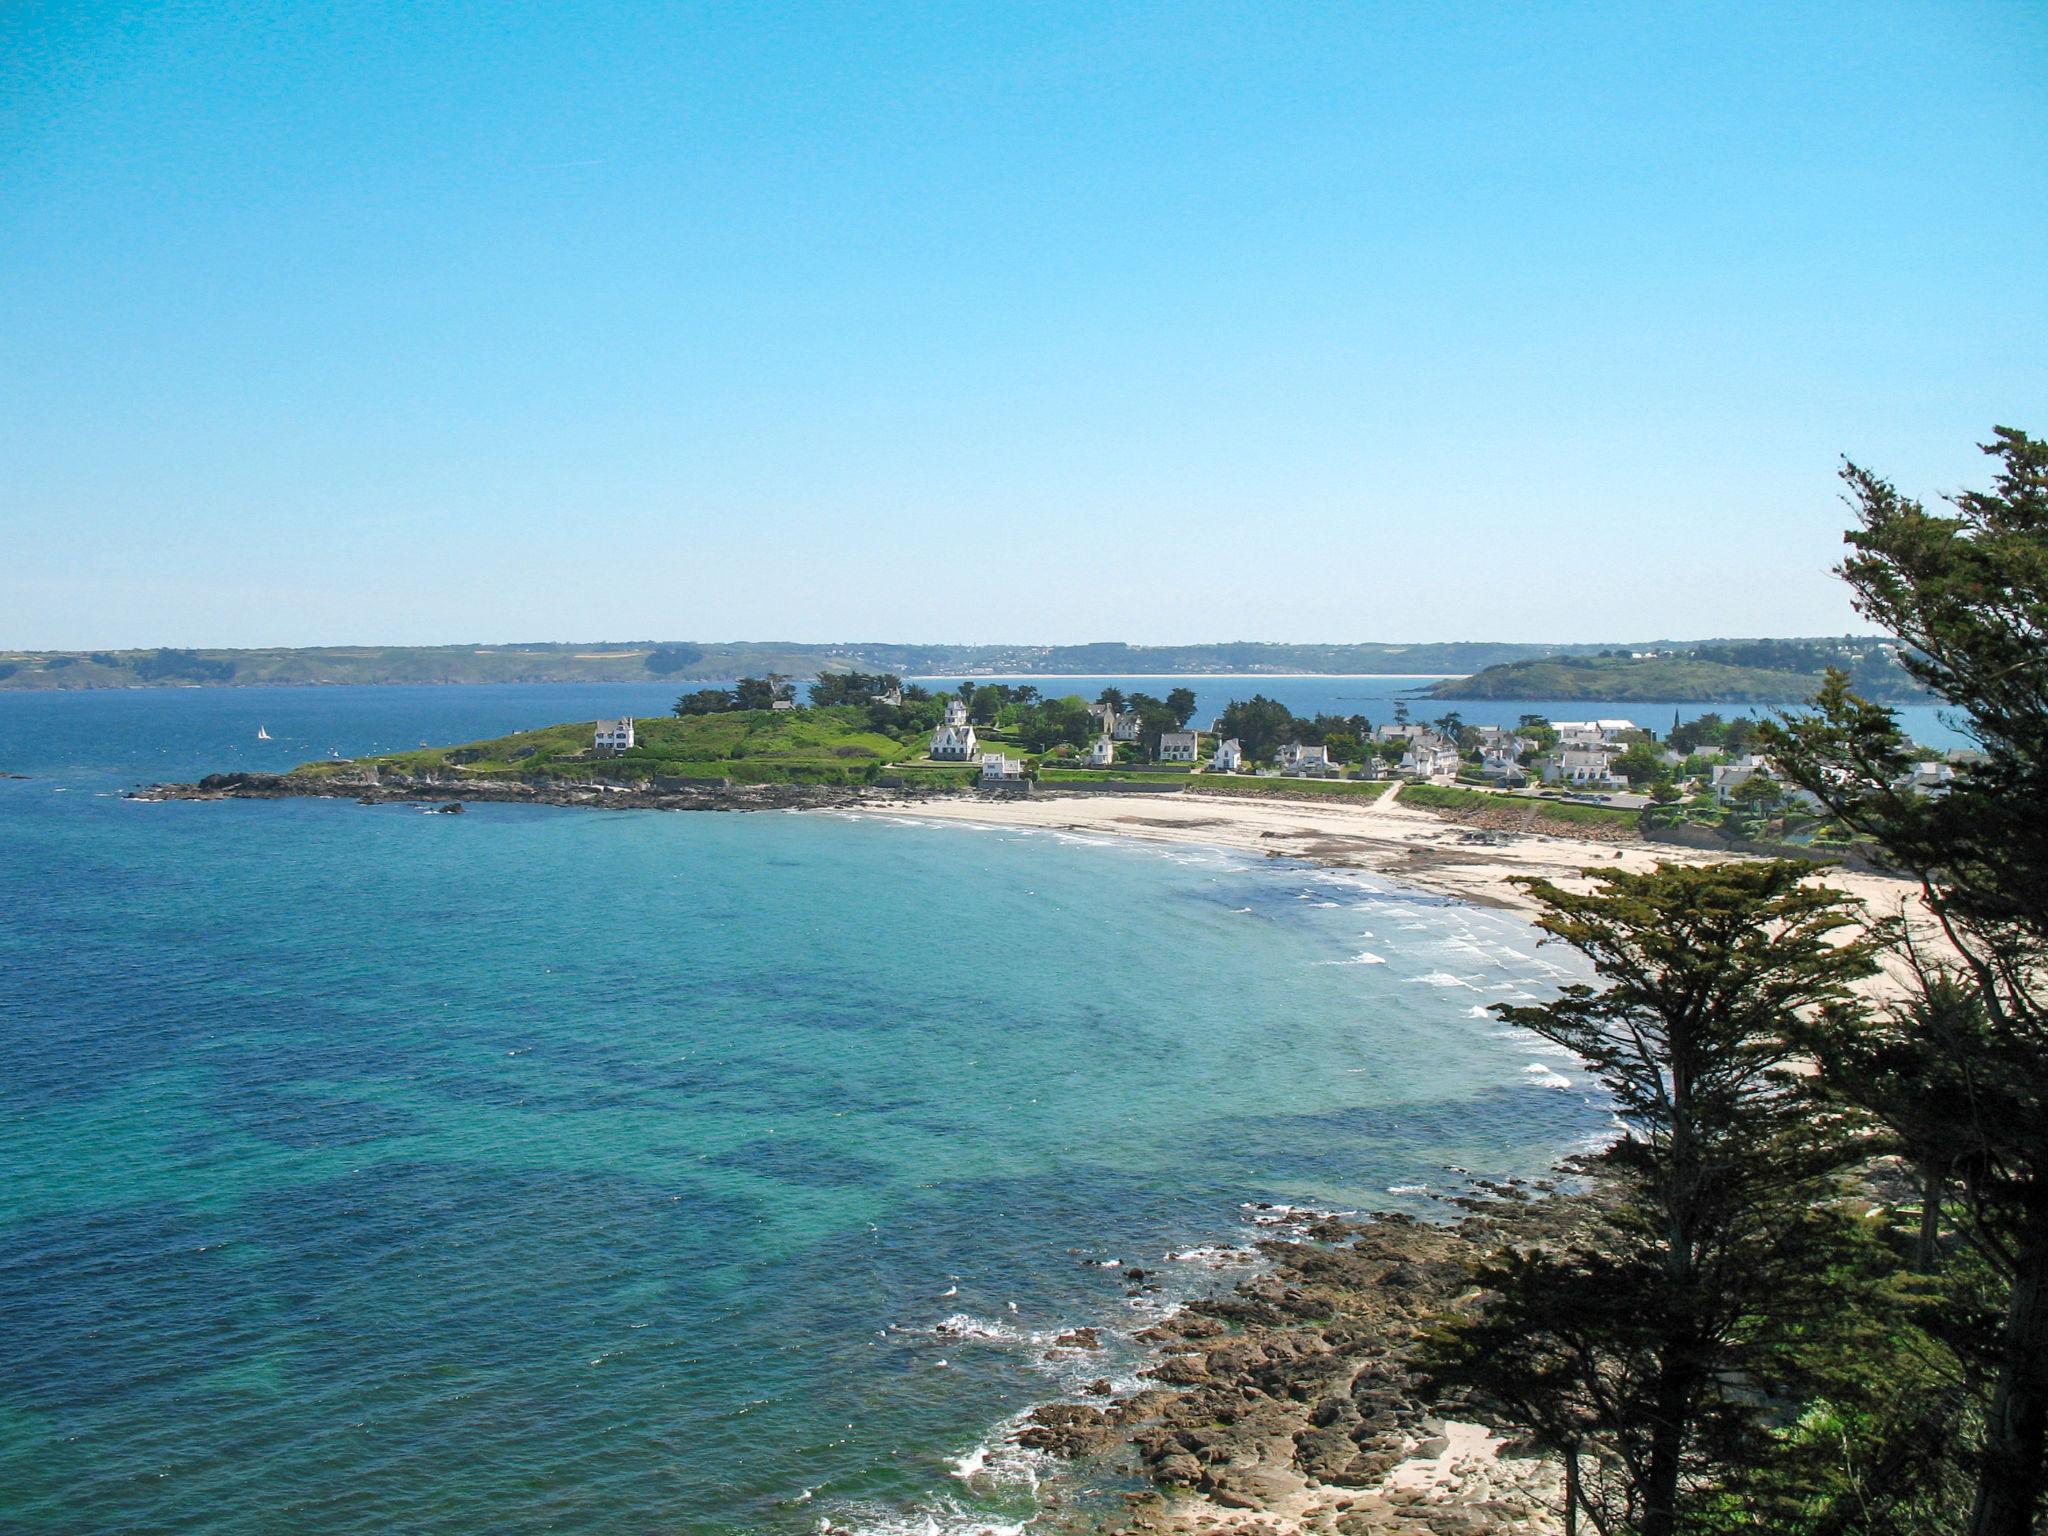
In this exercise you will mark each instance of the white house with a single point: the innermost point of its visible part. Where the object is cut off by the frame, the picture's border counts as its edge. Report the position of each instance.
(1124, 727)
(1502, 760)
(1728, 776)
(1305, 762)
(1103, 714)
(615, 735)
(956, 712)
(782, 704)
(1179, 746)
(1229, 756)
(1577, 733)
(998, 769)
(1589, 767)
(1387, 733)
(1616, 730)
(892, 696)
(1429, 757)
(1933, 779)
(955, 743)
(1102, 754)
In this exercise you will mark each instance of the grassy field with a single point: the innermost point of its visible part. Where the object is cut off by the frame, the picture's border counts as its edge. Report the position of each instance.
(809, 746)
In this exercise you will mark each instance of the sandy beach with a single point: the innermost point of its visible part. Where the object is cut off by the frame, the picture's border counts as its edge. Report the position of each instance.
(1383, 836)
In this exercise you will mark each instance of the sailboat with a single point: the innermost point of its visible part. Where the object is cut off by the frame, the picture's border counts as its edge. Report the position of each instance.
(262, 734)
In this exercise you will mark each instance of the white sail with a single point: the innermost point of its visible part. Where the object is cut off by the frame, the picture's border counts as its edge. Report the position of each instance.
(262, 734)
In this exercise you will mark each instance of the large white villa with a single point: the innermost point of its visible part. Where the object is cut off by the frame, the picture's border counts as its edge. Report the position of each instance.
(614, 735)
(955, 744)
(1179, 746)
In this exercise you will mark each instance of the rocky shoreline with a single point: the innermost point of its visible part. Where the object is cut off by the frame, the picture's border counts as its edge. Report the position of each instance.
(1291, 1404)
(367, 788)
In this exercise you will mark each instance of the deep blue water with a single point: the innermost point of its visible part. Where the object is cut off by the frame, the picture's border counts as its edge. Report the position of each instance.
(546, 1170)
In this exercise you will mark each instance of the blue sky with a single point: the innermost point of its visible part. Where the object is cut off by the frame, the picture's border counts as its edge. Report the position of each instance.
(436, 322)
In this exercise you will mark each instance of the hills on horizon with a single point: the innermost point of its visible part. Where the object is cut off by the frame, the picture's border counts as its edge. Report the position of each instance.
(1662, 671)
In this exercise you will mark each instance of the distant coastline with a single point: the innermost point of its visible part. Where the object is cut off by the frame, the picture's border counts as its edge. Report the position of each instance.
(1448, 663)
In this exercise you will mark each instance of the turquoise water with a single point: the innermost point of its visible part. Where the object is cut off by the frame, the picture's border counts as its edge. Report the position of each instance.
(542, 1170)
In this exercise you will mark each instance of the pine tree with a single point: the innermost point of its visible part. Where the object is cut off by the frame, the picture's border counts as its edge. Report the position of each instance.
(1967, 595)
(1630, 1348)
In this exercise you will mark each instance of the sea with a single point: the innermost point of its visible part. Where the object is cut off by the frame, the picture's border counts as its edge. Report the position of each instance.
(365, 1170)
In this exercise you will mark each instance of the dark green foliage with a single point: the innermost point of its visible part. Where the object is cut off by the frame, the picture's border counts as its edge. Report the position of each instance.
(758, 692)
(1055, 723)
(1634, 1348)
(852, 687)
(1642, 764)
(1967, 593)
(705, 701)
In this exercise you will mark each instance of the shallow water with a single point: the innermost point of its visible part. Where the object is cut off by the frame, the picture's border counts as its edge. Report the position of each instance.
(591, 1172)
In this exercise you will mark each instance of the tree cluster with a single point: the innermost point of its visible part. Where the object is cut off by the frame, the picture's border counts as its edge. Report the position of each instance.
(747, 693)
(862, 688)
(1740, 1347)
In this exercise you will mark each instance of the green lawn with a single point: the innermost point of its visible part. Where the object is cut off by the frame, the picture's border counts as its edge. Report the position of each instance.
(808, 746)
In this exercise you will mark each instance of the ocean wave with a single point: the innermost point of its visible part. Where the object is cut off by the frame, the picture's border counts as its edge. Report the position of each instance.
(1363, 957)
(1440, 979)
(948, 1520)
(1543, 1077)
(967, 1327)
(1214, 1256)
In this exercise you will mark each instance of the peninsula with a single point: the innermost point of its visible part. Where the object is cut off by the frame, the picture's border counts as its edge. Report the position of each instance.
(1721, 672)
(1461, 809)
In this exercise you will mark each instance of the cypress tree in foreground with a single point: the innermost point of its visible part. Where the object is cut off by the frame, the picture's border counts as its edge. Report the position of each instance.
(1968, 595)
(1644, 1360)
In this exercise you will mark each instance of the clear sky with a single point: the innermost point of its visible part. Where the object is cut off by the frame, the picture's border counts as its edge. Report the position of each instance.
(439, 322)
